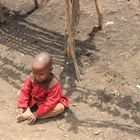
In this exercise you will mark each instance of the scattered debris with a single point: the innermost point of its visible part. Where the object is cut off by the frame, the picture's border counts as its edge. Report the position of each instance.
(91, 14)
(108, 23)
(74, 105)
(61, 126)
(138, 86)
(65, 135)
(108, 37)
(62, 68)
(124, 53)
(116, 93)
(67, 63)
(97, 132)
(84, 132)
(123, 18)
(89, 129)
(39, 130)
(131, 116)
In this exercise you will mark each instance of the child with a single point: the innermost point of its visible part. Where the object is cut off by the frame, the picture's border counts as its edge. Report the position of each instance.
(41, 92)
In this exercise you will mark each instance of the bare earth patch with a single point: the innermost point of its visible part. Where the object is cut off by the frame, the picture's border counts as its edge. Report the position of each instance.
(105, 104)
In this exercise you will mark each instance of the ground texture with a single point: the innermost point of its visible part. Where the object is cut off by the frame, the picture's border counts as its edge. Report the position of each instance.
(105, 104)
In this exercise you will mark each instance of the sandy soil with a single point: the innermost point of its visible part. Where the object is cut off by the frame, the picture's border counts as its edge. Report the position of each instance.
(105, 104)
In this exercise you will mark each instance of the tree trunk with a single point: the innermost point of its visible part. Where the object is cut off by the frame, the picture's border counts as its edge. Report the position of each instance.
(72, 20)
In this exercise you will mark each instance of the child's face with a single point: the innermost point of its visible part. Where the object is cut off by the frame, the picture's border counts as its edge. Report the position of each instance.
(40, 73)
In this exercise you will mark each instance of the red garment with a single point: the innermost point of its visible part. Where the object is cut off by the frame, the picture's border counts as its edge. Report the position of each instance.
(46, 99)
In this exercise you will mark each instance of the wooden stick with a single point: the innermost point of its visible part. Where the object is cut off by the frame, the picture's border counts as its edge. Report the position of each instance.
(72, 20)
(100, 13)
(36, 4)
(1, 14)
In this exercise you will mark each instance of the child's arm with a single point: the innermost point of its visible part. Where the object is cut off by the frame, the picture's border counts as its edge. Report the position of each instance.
(23, 99)
(24, 95)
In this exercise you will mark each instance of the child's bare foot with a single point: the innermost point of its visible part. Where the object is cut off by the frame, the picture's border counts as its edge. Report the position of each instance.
(24, 116)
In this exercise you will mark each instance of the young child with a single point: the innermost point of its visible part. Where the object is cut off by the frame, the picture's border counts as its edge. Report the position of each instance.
(41, 92)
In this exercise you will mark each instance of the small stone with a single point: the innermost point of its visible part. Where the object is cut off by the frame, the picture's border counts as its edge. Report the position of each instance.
(62, 68)
(65, 135)
(74, 105)
(131, 116)
(109, 23)
(97, 132)
(123, 18)
(89, 129)
(91, 14)
(108, 37)
(138, 86)
(61, 128)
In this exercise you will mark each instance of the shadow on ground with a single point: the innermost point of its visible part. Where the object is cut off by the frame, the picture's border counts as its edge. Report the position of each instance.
(104, 103)
(25, 37)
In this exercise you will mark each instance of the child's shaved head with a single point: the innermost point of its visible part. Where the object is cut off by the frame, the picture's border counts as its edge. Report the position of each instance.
(42, 66)
(43, 59)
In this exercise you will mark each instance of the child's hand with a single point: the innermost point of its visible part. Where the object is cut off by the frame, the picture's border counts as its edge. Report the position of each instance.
(20, 112)
(20, 117)
(32, 118)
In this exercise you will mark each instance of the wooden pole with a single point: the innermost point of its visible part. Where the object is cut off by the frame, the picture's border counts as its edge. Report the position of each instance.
(72, 20)
(1, 14)
(100, 13)
(36, 4)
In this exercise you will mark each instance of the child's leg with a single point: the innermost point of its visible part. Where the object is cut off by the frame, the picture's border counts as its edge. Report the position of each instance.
(59, 108)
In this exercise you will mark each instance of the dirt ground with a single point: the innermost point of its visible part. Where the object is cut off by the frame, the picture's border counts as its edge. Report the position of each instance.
(105, 104)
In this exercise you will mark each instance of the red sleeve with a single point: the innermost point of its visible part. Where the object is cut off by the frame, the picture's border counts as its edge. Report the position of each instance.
(24, 95)
(53, 96)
